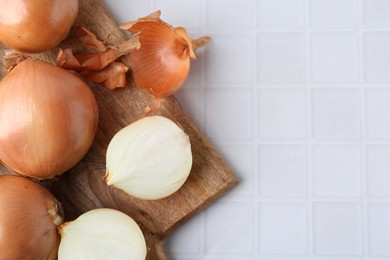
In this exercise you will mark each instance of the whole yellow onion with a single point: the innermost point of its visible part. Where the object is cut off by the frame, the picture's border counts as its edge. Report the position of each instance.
(29, 217)
(36, 25)
(48, 119)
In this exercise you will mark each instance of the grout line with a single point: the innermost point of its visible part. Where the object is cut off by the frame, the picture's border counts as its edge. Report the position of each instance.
(313, 30)
(203, 83)
(202, 227)
(318, 141)
(203, 80)
(309, 177)
(302, 141)
(255, 124)
(363, 177)
(314, 85)
(361, 73)
(330, 199)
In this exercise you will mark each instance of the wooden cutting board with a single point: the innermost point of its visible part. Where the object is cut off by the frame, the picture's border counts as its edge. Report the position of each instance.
(82, 188)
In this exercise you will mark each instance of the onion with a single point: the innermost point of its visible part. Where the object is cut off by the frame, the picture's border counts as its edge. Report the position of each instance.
(102, 234)
(48, 119)
(162, 63)
(36, 25)
(149, 159)
(29, 216)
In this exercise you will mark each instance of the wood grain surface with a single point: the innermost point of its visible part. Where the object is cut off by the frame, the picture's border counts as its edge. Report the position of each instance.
(82, 188)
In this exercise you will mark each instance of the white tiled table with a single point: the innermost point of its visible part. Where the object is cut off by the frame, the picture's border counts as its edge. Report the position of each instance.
(296, 95)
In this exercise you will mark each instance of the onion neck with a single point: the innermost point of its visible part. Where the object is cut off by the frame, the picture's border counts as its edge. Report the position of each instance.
(199, 42)
(56, 213)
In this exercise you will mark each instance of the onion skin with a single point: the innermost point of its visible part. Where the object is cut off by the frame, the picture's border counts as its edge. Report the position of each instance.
(36, 25)
(49, 119)
(28, 220)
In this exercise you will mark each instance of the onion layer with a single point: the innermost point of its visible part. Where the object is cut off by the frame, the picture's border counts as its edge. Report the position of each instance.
(36, 25)
(29, 216)
(48, 119)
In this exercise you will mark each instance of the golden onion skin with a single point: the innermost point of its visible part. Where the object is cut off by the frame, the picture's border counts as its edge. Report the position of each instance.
(48, 119)
(36, 25)
(28, 220)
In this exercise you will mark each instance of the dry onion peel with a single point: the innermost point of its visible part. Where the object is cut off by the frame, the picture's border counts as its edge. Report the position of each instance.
(29, 216)
(149, 159)
(162, 63)
(102, 61)
(49, 118)
(12, 58)
(89, 39)
(102, 234)
(113, 75)
(95, 61)
(67, 60)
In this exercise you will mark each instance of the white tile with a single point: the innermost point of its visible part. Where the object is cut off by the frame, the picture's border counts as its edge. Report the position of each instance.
(234, 233)
(186, 239)
(376, 13)
(377, 113)
(229, 59)
(345, 85)
(378, 170)
(129, 10)
(280, 14)
(377, 57)
(190, 97)
(336, 170)
(237, 14)
(291, 132)
(195, 74)
(343, 13)
(337, 228)
(282, 228)
(180, 13)
(379, 229)
(334, 57)
(228, 113)
(282, 113)
(240, 159)
(282, 170)
(335, 113)
(281, 57)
